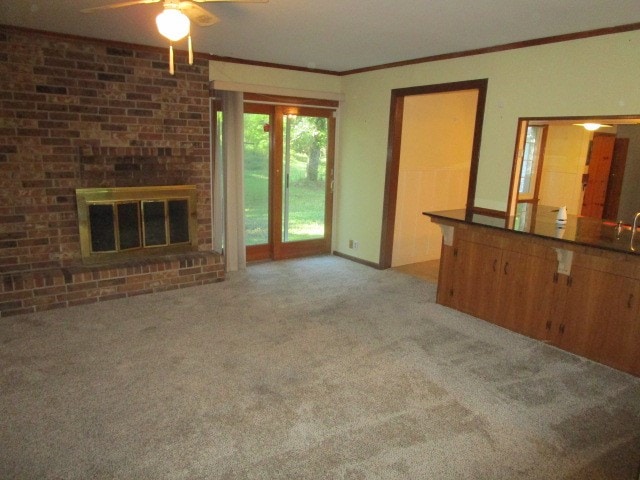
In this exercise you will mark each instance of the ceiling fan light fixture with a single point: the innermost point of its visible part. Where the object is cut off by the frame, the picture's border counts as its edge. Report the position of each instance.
(173, 24)
(591, 126)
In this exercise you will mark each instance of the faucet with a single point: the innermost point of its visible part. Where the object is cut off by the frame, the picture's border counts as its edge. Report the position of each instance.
(633, 231)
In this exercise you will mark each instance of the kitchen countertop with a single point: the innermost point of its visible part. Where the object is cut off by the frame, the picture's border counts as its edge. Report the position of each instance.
(540, 221)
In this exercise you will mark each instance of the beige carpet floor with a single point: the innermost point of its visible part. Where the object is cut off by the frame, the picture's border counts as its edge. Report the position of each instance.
(306, 369)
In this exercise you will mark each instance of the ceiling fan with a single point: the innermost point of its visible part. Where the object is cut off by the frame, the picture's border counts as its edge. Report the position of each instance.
(174, 22)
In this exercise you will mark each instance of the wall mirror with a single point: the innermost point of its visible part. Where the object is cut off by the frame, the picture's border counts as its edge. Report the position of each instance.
(591, 165)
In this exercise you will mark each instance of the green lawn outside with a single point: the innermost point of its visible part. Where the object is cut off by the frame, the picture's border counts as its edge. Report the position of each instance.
(306, 200)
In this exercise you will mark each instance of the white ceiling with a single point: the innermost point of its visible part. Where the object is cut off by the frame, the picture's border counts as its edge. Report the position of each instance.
(335, 35)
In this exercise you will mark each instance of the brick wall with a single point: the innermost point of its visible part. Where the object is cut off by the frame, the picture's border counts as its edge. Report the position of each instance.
(79, 113)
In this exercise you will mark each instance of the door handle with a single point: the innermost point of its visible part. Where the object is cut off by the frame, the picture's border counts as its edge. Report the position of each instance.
(506, 267)
(630, 301)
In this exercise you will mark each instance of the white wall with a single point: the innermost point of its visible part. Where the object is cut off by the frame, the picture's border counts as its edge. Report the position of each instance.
(435, 158)
(588, 77)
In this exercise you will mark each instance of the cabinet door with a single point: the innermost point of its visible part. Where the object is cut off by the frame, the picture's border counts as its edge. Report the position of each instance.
(525, 294)
(475, 286)
(584, 301)
(601, 318)
(616, 341)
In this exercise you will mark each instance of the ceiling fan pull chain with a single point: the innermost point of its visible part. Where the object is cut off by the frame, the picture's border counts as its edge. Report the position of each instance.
(190, 51)
(171, 69)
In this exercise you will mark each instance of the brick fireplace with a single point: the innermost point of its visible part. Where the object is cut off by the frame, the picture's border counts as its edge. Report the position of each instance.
(85, 114)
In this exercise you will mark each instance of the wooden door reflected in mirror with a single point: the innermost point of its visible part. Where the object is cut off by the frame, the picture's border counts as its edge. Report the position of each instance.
(593, 172)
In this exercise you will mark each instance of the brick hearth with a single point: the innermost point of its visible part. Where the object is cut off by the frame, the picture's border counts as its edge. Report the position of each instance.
(45, 289)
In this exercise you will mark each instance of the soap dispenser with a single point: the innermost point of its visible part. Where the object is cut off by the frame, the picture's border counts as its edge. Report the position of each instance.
(561, 219)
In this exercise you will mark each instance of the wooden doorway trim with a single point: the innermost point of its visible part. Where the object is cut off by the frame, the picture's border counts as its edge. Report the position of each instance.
(393, 153)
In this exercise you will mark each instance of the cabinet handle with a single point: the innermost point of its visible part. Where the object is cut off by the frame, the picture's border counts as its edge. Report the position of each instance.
(455, 252)
(548, 325)
(506, 266)
(569, 281)
(495, 264)
(451, 292)
(561, 328)
(630, 301)
(555, 277)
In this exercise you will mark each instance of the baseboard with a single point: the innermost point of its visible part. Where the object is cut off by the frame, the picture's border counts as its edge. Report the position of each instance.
(358, 260)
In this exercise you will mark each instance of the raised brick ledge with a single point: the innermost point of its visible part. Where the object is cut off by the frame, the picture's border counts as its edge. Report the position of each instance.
(37, 290)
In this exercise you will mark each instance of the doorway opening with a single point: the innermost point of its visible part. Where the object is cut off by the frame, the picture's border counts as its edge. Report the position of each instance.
(434, 145)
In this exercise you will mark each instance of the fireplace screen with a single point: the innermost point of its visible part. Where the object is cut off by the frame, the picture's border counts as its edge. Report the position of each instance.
(121, 222)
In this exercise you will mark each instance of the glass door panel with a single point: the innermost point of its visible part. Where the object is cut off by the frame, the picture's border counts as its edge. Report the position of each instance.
(256, 178)
(304, 177)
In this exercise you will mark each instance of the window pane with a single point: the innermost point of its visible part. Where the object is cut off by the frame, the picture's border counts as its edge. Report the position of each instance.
(529, 168)
(304, 179)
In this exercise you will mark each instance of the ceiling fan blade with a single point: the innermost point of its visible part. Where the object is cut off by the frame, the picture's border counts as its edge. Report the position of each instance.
(197, 14)
(118, 5)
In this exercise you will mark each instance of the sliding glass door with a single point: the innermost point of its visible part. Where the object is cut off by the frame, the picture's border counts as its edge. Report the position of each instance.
(288, 180)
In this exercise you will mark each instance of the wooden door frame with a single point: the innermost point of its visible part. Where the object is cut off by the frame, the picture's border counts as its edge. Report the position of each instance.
(393, 153)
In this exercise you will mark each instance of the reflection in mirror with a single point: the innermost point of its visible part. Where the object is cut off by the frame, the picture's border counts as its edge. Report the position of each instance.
(590, 165)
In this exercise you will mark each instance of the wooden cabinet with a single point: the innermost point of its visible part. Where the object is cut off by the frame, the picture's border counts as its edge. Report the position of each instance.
(474, 285)
(599, 318)
(528, 294)
(593, 312)
(509, 288)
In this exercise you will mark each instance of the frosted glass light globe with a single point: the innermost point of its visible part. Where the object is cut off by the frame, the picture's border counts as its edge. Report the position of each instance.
(173, 24)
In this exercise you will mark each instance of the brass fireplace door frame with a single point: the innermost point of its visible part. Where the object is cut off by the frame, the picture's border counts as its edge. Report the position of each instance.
(113, 196)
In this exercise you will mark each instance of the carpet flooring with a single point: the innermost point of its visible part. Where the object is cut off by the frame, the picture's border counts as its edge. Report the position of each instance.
(318, 368)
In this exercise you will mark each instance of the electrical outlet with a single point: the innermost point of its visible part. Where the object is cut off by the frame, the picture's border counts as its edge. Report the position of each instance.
(355, 244)
(350, 243)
